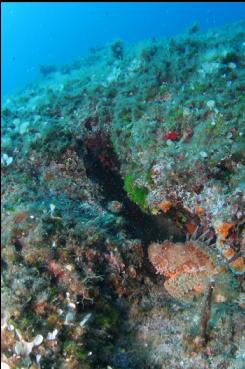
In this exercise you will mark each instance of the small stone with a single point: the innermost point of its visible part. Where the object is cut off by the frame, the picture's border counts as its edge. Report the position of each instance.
(203, 154)
(52, 207)
(52, 335)
(220, 298)
(232, 65)
(11, 328)
(211, 104)
(186, 112)
(69, 267)
(169, 142)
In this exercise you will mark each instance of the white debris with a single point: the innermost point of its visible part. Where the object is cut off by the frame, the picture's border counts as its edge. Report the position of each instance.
(38, 340)
(24, 348)
(85, 319)
(60, 311)
(18, 334)
(4, 319)
(211, 104)
(69, 318)
(203, 154)
(71, 305)
(6, 160)
(69, 267)
(186, 112)
(4, 365)
(113, 76)
(23, 127)
(169, 142)
(209, 68)
(232, 65)
(52, 208)
(52, 335)
(38, 358)
(16, 121)
(134, 65)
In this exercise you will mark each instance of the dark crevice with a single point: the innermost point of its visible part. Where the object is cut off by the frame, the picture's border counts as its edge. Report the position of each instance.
(102, 167)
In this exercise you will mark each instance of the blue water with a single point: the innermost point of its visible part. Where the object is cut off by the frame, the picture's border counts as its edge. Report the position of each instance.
(57, 33)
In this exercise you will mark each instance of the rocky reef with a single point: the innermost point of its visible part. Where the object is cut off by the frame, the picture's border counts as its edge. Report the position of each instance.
(123, 209)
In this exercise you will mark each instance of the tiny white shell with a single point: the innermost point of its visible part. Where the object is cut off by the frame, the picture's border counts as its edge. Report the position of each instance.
(37, 340)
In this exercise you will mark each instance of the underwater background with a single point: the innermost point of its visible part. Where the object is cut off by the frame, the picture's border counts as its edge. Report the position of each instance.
(123, 186)
(40, 33)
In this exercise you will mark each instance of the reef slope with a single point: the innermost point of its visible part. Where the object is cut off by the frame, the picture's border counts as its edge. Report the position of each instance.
(130, 146)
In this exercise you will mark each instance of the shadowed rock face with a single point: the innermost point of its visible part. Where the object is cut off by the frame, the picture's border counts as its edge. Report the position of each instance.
(106, 173)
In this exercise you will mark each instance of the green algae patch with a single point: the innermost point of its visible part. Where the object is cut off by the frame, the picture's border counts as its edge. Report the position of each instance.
(136, 194)
(108, 319)
(72, 349)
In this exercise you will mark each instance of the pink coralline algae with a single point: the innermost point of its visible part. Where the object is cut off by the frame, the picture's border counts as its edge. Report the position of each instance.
(186, 267)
